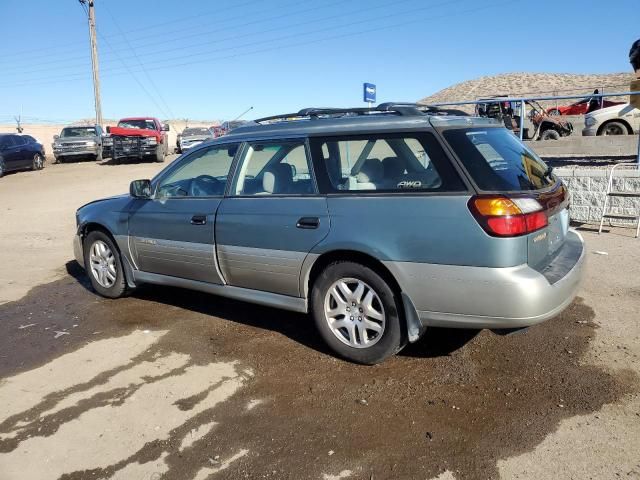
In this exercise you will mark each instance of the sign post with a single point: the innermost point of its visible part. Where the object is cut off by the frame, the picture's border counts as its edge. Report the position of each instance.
(369, 93)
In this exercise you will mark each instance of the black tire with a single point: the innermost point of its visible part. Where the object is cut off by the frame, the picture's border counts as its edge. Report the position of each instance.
(391, 338)
(549, 135)
(119, 286)
(1, 169)
(38, 162)
(613, 128)
(159, 154)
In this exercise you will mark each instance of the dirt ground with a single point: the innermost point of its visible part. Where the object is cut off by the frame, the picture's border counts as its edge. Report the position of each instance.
(181, 385)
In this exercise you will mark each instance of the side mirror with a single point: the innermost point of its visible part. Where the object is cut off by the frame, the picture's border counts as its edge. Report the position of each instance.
(108, 129)
(140, 189)
(56, 137)
(165, 127)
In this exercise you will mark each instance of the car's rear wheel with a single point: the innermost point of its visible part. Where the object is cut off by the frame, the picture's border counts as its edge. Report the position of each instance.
(160, 153)
(614, 128)
(104, 266)
(38, 162)
(1, 169)
(357, 313)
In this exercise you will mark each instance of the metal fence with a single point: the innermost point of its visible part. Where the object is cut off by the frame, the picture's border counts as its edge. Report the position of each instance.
(523, 100)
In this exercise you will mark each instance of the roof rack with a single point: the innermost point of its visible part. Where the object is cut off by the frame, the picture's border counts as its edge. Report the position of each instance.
(397, 108)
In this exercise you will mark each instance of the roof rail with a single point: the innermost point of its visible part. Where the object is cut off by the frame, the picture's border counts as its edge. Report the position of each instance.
(397, 108)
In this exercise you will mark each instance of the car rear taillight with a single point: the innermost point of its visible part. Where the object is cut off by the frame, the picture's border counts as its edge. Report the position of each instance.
(500, 216)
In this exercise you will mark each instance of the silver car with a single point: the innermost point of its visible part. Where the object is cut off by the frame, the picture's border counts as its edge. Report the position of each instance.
(379, 222)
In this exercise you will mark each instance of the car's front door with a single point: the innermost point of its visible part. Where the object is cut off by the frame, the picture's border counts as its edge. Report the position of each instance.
(271, 218)
(173, 232)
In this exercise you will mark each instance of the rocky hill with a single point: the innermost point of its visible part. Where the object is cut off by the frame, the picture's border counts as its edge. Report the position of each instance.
(532, 84)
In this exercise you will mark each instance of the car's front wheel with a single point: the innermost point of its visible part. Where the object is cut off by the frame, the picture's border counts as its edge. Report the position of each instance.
(357, 313)
(104, 266)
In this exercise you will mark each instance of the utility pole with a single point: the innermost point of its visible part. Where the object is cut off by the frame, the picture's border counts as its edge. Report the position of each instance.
(94, 58)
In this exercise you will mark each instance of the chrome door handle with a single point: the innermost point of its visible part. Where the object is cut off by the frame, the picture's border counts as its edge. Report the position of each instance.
(308, 222)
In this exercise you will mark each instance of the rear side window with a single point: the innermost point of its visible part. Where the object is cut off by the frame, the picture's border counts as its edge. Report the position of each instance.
(498, 161)
(386, 163)
(6, 141)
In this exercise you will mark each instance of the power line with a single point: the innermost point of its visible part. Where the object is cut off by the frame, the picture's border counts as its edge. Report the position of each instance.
(199, 15)
(21, 71)
(285, 37)
(153, 84)
(298, 44)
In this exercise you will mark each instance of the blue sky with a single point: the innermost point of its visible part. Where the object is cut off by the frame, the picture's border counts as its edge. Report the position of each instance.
(213, 60)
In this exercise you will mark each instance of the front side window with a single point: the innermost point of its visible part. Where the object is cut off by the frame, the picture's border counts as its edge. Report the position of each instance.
(386, 163)
(498, 161)
(202, 174)
(19, 140)
(274, 168)
(6, 141)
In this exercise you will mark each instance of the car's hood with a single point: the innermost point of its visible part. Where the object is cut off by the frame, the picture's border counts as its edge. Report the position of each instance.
(192, 138)
(132, 132)
(77, 139)
(612, 111)
(115, 201)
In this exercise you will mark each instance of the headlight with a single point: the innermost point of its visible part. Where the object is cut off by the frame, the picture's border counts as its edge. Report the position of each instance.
(56, 145)
(90, 144)
(107, 141)
(590, 121)
(151, 141)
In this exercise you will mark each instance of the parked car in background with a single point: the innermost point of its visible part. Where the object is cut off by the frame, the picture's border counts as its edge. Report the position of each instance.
(227, 127)
(79, 142)
(381, 222)
(20, 152)
(192, 137)
(140, 138)
(617, 120)
(583, 106)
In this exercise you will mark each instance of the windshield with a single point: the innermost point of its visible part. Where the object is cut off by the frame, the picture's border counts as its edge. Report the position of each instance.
(195, 131)
(498, 161)
(78, 132)
(139, 124)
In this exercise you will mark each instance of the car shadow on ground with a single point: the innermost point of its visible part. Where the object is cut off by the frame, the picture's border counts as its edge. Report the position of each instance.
(299, 327)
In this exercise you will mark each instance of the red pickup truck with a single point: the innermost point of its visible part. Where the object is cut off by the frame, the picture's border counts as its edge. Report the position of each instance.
(139, 137)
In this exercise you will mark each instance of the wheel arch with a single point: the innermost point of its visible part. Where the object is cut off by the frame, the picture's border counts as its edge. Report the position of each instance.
(412, 330)
(93, 226)
(618, 120)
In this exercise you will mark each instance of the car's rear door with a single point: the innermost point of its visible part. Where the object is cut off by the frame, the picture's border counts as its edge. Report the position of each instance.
(271, 218)
(173, 233)
(11, 152)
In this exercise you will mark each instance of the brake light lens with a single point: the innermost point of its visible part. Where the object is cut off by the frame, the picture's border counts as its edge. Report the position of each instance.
(501, 216)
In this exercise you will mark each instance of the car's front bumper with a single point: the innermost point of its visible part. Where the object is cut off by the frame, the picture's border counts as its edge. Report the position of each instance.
(590, 131)
(496, 298)
(68, 152)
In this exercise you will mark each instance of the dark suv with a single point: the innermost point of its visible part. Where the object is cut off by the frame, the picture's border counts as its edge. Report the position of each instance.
(380, 222)
(20, 152)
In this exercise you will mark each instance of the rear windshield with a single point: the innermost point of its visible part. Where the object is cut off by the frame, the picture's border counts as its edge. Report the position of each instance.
(498, 161)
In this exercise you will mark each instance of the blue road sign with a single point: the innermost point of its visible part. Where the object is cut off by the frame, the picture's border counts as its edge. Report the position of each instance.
(369, 90)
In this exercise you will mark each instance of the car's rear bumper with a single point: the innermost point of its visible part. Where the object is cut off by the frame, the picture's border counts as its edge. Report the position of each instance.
(497, 298)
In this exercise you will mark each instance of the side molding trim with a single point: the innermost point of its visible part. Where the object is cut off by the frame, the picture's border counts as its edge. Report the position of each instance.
(268, 299)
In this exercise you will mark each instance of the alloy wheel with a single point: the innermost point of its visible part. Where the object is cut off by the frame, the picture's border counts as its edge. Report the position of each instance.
(354, 313)
(103, 264)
